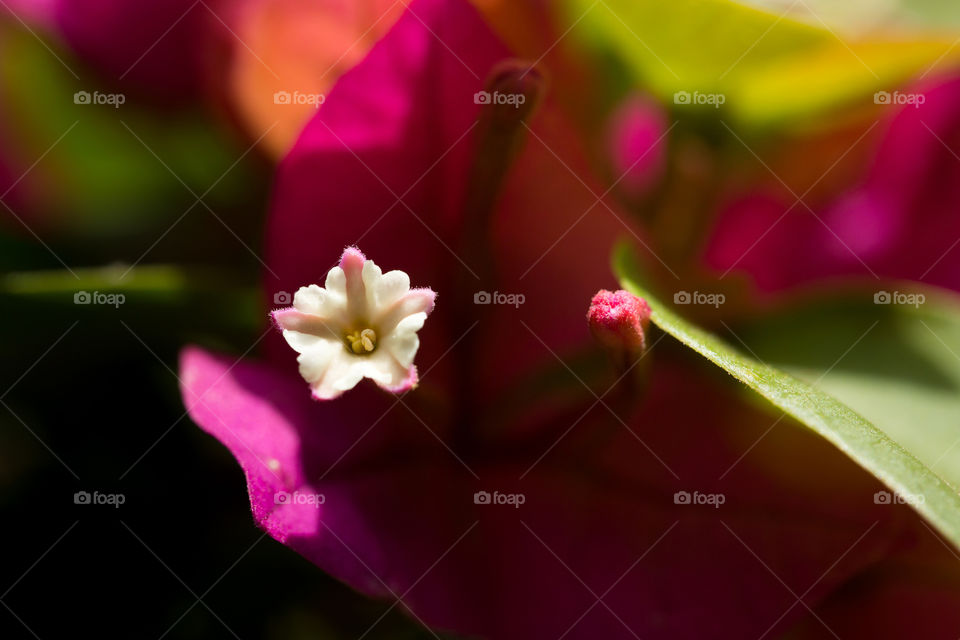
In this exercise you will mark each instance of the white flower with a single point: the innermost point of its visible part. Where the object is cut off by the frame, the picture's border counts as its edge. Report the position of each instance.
(362, 323)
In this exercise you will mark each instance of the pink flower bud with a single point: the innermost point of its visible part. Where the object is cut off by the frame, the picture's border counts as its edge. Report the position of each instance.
(618, 321)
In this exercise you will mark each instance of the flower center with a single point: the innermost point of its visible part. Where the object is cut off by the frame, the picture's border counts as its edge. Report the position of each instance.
(362, 341)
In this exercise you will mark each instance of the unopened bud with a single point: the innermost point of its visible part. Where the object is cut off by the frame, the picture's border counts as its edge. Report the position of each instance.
(618, 321)
(511, 93)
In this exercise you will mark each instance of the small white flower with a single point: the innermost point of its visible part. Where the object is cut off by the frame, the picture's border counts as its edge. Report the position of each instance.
(362, 323)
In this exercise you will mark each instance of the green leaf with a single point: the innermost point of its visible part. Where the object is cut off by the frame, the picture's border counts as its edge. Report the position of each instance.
(905, 466)
(900, 367)
(855, 15)
(771, 69)
(165, 305)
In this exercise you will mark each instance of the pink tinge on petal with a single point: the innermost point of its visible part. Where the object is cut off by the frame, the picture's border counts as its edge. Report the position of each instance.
(420, 300)
(352, 260)
(406, 384)
(289, 319)
(352, 264)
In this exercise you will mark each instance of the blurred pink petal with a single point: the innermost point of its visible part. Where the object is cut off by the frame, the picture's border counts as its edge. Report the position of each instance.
(638, 145)
(296, 48)
(901, 222)
(398, 521)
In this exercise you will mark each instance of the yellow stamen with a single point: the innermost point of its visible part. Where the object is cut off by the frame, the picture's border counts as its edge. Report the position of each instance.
(362, 341)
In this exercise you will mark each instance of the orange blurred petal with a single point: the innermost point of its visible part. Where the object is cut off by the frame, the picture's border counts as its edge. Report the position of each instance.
(297, 49)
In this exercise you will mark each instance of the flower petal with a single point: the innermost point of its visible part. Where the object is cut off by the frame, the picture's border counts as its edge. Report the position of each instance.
(322, 367)
(301, 47)
(318, 301)
(402, 343)
(386, 288)
(353, 264)
(335, 371)
(303, 330)
(415, 301)
(283, 441)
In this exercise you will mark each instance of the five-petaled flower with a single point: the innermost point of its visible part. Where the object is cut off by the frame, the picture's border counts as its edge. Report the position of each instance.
(362, 324)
